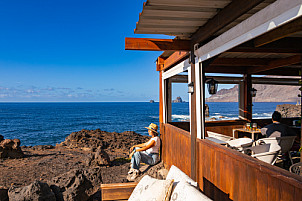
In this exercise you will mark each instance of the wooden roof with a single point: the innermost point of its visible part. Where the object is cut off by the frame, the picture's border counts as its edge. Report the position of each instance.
(183, 18)
(277, 52)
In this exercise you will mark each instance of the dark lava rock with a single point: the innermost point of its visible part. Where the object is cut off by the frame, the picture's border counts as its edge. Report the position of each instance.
(10, 149)
(289, 110)
(115, 144)
(76, 185)
(3, 194)
(1, 138)
(36, 191)
(152, 171)
(42, 147)
(100, 157)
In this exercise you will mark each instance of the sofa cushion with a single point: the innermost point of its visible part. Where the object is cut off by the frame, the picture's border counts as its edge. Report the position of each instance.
(152, 189)
(177, 175)
(186, 192)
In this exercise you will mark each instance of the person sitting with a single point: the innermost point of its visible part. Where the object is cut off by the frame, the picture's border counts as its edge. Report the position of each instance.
(277, 129)
(146, 152)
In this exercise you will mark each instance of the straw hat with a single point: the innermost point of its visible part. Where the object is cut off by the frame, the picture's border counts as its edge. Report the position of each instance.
(153, 127)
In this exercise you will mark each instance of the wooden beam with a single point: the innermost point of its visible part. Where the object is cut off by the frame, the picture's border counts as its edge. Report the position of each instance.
(240, 62)
(276, 64)
(227, 69)
(290, 45)
(179, 79)
(175, 58)
(160, 64)
(156, 44)
(227, 15)
(281, 32)
(285, 71)
(117, 191)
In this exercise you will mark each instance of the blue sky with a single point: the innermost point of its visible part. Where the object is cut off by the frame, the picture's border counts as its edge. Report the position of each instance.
(63, 50)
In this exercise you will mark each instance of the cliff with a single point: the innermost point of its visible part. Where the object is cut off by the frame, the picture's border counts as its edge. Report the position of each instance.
(265, 93)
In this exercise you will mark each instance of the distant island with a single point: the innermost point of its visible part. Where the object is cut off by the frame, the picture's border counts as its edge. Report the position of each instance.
(151, 101)
(178, 100)
(265, 93)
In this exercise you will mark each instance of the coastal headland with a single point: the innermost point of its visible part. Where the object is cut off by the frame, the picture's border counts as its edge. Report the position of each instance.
(83, 161)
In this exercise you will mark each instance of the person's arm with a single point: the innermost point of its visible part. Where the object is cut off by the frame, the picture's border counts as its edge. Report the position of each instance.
(148, 145)
(138, 145)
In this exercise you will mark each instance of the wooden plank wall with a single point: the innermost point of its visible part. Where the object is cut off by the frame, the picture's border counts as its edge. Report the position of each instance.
(224, 127)
(225, 174)
(176, 148)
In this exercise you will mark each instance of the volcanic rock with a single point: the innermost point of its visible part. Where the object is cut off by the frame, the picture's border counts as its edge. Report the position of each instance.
(155, 171)
(115, 144)
(289, 110)
(100, 157)
(76, 184)
(3, 194)
(10, 148)
(36, 191)
(1, 138)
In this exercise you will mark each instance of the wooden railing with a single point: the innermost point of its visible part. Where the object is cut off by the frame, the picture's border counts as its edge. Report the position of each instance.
(176, 148)
(224, 127)
(225, 174)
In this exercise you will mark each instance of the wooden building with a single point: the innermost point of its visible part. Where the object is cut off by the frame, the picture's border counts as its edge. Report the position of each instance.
(243, 37)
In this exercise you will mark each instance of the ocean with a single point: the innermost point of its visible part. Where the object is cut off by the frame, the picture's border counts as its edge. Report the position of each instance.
(50, 123)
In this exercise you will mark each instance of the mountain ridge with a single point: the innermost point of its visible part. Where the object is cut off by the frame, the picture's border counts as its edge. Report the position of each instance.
(265, 93)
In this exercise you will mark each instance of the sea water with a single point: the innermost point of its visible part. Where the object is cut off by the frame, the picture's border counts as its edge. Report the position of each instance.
(51, 123)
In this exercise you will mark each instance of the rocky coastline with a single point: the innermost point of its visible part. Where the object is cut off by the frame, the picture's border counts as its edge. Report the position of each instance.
(71, 170)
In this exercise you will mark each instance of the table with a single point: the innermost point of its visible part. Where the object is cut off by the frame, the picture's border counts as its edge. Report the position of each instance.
(216, 140)
(246, 131)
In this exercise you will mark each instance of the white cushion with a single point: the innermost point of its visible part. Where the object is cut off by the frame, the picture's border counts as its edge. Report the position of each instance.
(152, 189)
(178, 175)
(186, 192)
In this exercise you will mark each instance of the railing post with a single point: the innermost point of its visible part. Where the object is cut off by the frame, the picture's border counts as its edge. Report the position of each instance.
(193, 125)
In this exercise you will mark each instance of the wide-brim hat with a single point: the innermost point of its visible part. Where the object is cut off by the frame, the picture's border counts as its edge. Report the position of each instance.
(153, 127)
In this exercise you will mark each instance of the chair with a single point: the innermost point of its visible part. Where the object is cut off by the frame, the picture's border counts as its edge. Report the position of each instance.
(219, 136)
(266, 152)
(240, 143)
(296, 168)
(285, 143)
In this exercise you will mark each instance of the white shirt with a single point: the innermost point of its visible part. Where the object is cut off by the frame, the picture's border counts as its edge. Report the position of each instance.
(155, 148)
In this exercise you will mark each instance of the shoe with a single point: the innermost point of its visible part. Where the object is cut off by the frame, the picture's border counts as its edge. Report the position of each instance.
(131, 170)
(135, 173)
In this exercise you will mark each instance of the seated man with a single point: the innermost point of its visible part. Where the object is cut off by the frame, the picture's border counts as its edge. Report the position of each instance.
(276, 129)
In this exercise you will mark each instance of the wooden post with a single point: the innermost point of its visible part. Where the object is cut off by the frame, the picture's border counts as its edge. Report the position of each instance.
(301, 112)
(168, 100)
(245, 98)
(193, 126)
(160, 97)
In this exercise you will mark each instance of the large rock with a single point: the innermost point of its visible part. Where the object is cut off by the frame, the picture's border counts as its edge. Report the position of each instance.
(10, 148)
(115, 144)
(76, 185)
(36, 191)
(289, 110)
(99, 158)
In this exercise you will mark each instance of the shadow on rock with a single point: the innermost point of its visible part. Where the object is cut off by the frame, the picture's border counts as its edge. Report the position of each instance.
(76, 184)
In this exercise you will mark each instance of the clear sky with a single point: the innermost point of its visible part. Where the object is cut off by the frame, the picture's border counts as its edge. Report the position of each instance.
(71, 50)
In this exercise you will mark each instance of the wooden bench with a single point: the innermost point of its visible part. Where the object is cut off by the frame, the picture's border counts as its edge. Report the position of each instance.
(117, 191)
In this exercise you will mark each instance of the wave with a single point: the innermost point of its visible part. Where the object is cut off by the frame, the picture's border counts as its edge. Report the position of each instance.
(180, 117)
